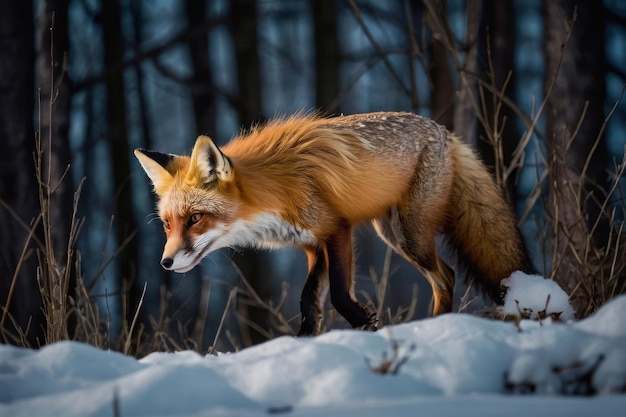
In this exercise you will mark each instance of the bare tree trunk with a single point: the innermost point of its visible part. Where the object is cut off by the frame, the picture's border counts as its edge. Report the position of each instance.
(125, 222)
(244, 32)
(463, 118)
(19, 204)
(326, 55)
(496, 55)
(205, 111)
(465, 121)
(442, 102)
(136, 11)
(580, 83)
(201, 89)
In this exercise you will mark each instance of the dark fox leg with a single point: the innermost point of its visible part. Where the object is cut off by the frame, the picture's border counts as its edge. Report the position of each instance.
(310, 301)
(340, 268)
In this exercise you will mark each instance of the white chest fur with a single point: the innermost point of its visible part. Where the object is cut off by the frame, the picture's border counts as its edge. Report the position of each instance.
(269, 231)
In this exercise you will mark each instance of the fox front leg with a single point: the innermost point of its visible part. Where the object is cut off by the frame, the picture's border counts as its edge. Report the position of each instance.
(341, 275)
(311, 301)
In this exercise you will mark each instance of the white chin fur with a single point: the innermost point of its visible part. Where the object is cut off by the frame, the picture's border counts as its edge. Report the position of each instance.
(184, 263)
(183, 269)
(204, 245)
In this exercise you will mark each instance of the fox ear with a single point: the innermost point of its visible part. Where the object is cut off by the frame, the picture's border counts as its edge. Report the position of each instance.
(155, 163)
(208, 163)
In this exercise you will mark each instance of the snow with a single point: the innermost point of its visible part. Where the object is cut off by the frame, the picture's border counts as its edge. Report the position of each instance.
(534, 294)
(455, 364)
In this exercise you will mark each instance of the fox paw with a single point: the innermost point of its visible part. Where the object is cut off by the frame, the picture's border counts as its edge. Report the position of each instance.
(371, 325)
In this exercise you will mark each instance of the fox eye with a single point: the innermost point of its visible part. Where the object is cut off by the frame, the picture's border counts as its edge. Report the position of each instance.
(194, 218)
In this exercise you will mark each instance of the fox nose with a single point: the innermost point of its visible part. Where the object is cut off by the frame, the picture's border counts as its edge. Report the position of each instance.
(167, 263)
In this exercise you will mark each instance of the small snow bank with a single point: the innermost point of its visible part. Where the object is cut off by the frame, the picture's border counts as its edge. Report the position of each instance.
(583, 358)
(454, 364)
(535, 297)
(610, 320)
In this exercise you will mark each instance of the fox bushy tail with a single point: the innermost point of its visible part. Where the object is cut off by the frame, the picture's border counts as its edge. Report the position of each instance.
(482, 226)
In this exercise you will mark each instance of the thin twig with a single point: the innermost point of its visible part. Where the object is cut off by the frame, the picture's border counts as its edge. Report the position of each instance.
(132, 325)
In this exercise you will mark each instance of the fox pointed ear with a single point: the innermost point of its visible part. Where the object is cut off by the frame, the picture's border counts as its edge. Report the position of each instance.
(208, 163)
(155, 163)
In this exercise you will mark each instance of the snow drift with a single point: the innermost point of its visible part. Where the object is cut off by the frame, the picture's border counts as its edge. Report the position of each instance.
(454, 364)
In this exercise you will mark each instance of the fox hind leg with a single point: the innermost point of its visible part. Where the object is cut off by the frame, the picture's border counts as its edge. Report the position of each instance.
(412, 235)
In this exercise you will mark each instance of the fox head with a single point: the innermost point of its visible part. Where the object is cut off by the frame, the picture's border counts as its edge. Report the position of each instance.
(197, 201)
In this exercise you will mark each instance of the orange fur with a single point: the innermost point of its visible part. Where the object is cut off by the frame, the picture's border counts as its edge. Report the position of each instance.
(294, 164)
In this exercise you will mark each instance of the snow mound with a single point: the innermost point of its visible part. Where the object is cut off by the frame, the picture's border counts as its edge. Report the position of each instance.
(609, 320)
(534, 296)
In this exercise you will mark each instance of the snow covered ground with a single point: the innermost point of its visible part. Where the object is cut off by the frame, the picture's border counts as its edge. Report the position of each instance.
(452, 365)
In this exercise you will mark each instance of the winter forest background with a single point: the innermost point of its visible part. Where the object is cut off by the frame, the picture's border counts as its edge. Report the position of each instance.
(536, 86)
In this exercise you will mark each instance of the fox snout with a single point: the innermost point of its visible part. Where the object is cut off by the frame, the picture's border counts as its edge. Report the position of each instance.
(180, 261)
(177, 256)
(182, 252)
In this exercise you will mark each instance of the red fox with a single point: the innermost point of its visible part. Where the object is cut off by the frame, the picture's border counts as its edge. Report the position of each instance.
(307, 181)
